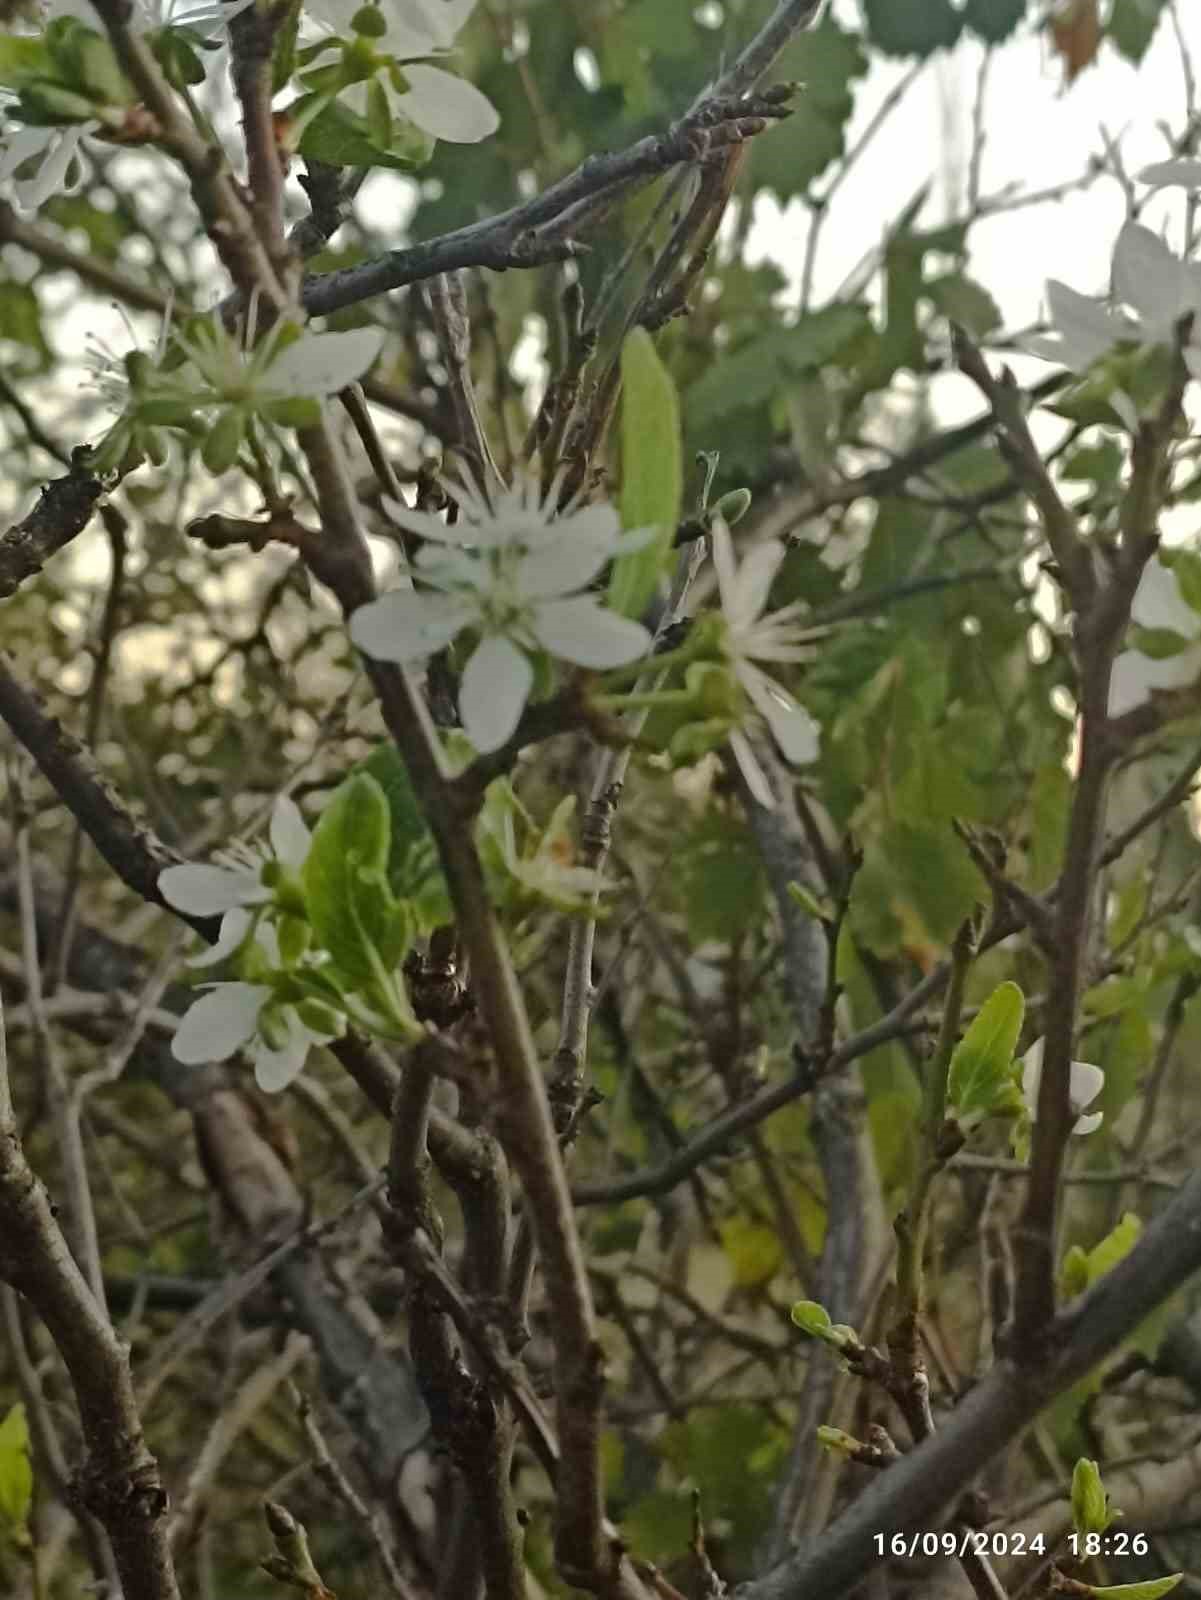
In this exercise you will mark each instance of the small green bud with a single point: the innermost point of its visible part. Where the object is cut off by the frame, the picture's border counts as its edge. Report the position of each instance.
(273, 1028)
(716, 691)
(370, 22)
(294, 411)
(49, 105)
(220, 448)
(320, 1018)
(1073, 1272)
(733, 506)
(837, 1442)
(1090, 1503)
(295, 935)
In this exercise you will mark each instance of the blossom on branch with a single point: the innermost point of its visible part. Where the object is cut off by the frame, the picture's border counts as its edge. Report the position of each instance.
(1159, 606)
(1085, 1085)
(207, 891)
(277, 1032)
(750, 637)
(1152, 291)
(517, 574)
(391, 44)
(49, 160)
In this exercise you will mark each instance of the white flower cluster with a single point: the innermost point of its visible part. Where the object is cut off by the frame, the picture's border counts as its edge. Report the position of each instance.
(236, 1016)
(517, 574)
(1152, 290)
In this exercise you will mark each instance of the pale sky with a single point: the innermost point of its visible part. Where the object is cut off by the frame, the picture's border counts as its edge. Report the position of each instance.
(1037, 134)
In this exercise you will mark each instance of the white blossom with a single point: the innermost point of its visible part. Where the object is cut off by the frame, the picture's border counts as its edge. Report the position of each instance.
(438, 102)
(1158, 603)
(224, 368)
(1152, 290)
(752, 637)
(236, 1016)
(53, 156)
(516, 573)
(210, 891)
(1084, 1086)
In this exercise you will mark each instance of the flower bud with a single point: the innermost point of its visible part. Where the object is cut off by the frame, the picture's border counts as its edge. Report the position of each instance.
(733, 506)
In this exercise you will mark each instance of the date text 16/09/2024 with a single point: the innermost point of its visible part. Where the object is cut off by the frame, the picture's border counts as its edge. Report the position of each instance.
(985, 1542)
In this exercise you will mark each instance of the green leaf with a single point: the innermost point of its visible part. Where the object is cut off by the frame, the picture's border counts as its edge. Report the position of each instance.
(837, 1442)
(1080, 1268)
(16, 1473)
(386, 766)
(1050, 803)
(340, 138)
(283, 49)
(1150, 1589)
(21, 321)
(1099, 463)
(819, 910)
(963, 300)
(1119, 1242)
(753, 1250)
(980, 1078)
(1090, 1503)
(22, 58)
(826, 60)
(652, 470)
(912, 27)
(812, 1318)
(1132, 25)
(993, 20)
(935, 874)
(346, 893)
(1185, 566)
(721, 878)
(1159, 643)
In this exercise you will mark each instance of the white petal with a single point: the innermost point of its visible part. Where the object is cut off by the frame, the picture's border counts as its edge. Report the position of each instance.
(1126, 409)
(323, 363)
(1149, 277)
(448, 107)
(436, 21)
(267, 940)
(404, 625)
(563, 567)
(584, 631)
(21, 144)
(1085, 1085)
(51, 177)
(1047, 349)
(233, 930)
(275, 1069)
(210, 891)
(1032, 1071)
(1162, 173)
(748, 765)
(426, 525)
(496, 684)
(219, 1023)
(794, 730)
(1135, 676)
(290, 837)
(753, 582)
(1158, 602)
